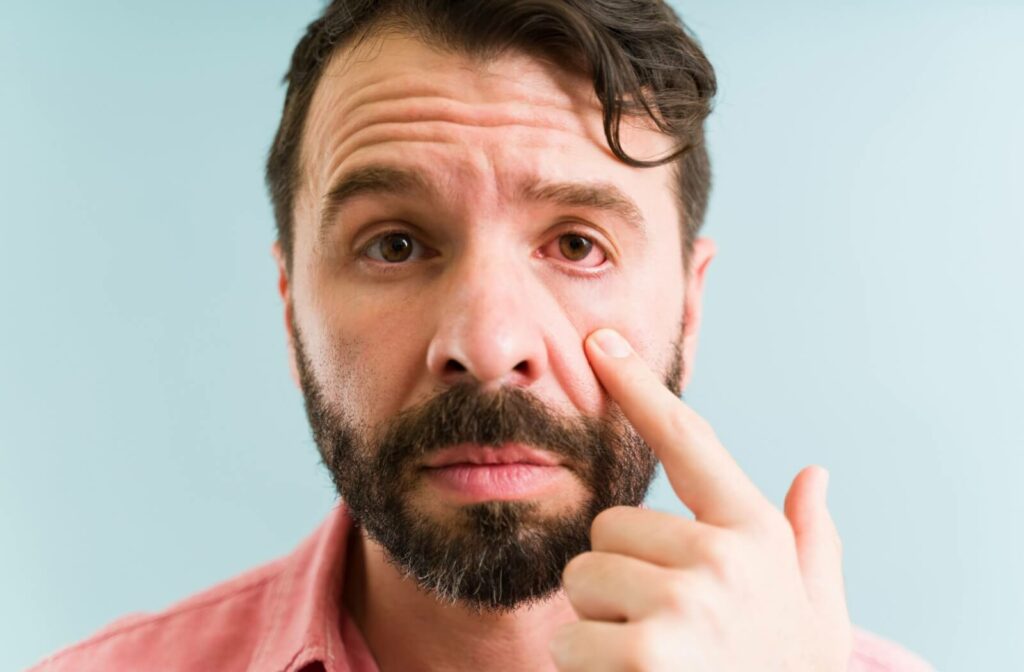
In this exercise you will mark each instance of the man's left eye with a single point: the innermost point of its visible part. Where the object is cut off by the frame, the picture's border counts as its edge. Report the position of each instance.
(576, 248)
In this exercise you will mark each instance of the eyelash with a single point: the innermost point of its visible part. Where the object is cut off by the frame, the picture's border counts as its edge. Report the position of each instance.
(388, 267)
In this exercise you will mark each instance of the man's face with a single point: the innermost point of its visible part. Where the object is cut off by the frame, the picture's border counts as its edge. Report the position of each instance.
(459, 230)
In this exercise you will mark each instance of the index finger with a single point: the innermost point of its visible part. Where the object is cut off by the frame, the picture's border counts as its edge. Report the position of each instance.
(702, 472)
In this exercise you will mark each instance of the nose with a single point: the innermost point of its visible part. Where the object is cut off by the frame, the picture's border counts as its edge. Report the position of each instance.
(487, 330)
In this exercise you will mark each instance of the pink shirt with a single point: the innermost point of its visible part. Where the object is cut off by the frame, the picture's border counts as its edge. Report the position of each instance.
(283, 617)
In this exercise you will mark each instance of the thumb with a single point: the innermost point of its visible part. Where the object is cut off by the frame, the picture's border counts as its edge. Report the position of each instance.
(818, 546)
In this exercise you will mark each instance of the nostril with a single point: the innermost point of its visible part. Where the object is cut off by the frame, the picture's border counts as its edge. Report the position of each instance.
(452, 366)
(523, 367)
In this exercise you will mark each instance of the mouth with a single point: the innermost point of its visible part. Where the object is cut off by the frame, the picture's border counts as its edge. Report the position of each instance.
(481, 455)
(477, 473)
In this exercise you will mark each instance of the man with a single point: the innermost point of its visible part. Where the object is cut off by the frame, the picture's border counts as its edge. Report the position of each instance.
(488, 255)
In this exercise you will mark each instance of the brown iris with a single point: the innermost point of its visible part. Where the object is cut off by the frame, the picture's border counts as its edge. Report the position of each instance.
(574, 247)
(395, 247)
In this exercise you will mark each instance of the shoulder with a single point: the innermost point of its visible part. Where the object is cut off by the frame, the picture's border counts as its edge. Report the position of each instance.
(220, 625)
(872, 653)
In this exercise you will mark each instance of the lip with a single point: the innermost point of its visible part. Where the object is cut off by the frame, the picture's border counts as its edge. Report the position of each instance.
(468, 483)
(506, 453)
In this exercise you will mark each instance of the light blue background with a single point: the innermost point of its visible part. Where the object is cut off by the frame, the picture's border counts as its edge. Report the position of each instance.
(864, 313)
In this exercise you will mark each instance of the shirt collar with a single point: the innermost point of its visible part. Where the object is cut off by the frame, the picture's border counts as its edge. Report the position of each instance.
(304, 602)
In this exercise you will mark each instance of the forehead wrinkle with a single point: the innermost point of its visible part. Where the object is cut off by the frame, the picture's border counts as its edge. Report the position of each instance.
(404, 121)
(403, 85)
(431, 121)
(415, 118)
(430, 132)
(532, 88)
(481, 115)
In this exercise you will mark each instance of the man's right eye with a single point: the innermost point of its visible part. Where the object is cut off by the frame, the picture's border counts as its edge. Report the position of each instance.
(394, 247)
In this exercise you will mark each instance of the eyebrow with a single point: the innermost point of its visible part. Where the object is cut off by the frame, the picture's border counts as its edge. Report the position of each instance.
(387, 180)
(601, 196)
(374, 179)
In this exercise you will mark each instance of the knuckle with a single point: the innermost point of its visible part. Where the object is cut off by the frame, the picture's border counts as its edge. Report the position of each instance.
(678, 595)
(699, 425)
(677, 423)
(575, 569)
(641, 651)
(731, 574)
(724, 558)
(607, 520)
(713, 547)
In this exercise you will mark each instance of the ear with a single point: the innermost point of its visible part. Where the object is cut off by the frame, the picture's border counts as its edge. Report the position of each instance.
(704, 250)
(284, 289)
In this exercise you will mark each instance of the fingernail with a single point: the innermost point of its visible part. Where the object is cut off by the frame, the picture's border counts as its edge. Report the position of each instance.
(824, 485)
(612, 344)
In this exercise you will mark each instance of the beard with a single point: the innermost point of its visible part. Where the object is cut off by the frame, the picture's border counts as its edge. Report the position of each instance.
(491, 556)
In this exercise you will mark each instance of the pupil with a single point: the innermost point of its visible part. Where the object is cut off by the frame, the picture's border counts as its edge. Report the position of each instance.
(396, 247)
(575, 247)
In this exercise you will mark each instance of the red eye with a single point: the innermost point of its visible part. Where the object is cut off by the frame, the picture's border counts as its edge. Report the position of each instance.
(576, 248)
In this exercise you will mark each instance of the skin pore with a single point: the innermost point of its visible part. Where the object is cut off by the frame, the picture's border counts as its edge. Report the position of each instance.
(493, 291)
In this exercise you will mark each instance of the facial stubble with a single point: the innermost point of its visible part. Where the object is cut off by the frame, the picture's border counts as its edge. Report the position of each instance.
(493, 556)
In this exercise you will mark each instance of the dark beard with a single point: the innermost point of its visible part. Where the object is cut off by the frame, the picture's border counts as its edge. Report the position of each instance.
(492, 556)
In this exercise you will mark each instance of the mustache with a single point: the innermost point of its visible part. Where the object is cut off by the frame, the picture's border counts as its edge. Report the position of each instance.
(463, 413)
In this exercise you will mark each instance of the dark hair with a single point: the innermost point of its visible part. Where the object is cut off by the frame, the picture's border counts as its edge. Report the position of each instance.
(639, 55)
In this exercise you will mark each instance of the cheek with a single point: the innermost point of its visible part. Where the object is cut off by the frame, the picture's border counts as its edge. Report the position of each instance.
(657, 343)
(643, 307)
(372, 356)
(647, 310)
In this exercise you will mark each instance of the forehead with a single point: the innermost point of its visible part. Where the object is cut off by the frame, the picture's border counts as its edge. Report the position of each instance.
(486, 126)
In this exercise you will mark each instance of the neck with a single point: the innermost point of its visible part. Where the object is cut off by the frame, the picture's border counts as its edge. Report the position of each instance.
(390, 609)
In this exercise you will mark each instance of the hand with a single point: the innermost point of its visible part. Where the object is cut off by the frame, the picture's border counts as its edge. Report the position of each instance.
(741, 587)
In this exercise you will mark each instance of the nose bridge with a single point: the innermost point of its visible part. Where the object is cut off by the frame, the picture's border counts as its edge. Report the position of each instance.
(486, 329)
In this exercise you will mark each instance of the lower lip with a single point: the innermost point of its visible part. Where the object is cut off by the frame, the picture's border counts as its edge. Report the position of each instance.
(481, 482)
